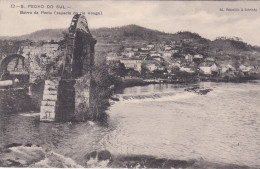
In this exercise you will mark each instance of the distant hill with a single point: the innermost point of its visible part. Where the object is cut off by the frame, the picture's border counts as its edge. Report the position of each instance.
(45, 34)
(138, 33)
(115, 34)
(134, 33)
(130, 32)
(230, 45)
(112, 40)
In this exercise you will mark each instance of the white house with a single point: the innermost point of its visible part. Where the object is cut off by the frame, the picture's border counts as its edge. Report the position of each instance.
(150, 46)
(173, 42)
(226, 68)
(208, 67)
(130, 54)
(145, 49)
(158, 59)
(173, 51)
(111, 58)
(167, 48)
(167, 54)
(188, 57)
(186, 69)
(135, 49)
(132, 63)
(155, 54)
(198, 56)
(151, 67)
(244, 68)
(210, 59)
(128, 49)
(187, 40)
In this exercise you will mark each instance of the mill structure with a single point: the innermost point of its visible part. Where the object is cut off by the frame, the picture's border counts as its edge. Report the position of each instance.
(60, 95)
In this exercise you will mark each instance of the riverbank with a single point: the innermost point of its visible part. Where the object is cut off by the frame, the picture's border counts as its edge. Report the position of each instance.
(142, 161)
(134, 81)
(36, 156)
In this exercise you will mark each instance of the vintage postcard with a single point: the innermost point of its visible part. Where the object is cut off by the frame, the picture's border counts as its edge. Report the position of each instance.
(130, 84)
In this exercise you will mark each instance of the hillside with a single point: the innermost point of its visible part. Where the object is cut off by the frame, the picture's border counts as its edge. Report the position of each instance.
(230, 45)
(115, 34)
(132, 34)
(41, 35)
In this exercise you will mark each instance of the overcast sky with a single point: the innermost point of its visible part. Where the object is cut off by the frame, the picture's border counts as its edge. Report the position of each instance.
(204, 18)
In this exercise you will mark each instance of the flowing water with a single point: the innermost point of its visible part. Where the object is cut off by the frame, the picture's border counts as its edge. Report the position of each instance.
(162, 121)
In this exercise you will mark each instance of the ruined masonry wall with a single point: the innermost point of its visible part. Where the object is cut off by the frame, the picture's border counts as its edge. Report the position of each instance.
(65, 100)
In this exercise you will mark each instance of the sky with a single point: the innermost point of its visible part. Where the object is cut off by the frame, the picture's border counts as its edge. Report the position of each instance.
(204, 17)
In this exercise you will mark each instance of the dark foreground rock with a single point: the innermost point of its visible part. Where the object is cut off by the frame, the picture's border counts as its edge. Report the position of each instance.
(142, 161)
(98, 159)
(38, 157)
(13, 145)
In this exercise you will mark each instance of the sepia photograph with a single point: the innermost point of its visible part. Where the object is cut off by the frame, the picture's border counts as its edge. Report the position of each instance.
(130, 84)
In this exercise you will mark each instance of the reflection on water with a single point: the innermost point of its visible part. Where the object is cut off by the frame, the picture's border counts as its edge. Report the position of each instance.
(161, 121)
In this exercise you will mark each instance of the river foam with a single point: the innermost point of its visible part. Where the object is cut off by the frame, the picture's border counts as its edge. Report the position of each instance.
(167, 96)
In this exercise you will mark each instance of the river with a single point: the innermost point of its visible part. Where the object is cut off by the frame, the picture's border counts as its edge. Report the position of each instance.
(154, 122)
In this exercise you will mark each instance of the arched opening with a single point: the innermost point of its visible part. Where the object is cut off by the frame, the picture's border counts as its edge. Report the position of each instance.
(13, 67)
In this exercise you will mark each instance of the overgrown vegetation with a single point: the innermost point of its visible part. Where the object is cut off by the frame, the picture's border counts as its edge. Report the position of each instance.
(99, 84)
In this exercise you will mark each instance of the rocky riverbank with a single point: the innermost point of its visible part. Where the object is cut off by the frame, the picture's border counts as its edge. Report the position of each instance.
(29, 155)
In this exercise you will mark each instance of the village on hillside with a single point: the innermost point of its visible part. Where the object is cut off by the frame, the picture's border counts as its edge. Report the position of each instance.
(175, 61)
(165, 60)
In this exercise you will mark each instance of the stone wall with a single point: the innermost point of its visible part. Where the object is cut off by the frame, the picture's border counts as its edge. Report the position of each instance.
(66, 100)
(65, 109)
(43, 60)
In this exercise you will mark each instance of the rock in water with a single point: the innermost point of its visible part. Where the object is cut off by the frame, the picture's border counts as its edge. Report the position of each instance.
(98, 159)
(91, 123)
(92, 155)
(104, 155)
(13, 145)
(28, 145)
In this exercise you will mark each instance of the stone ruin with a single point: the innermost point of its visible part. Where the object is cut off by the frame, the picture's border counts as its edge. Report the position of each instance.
(63, 96)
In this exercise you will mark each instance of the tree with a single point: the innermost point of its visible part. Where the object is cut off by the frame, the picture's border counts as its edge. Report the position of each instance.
(133, 73)
(117, 69)
(101, 86)
(145, 72)
(159, 73)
